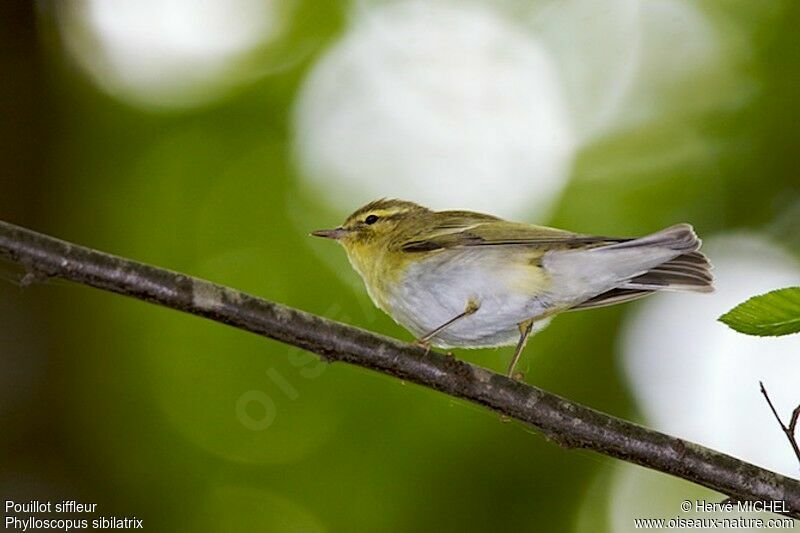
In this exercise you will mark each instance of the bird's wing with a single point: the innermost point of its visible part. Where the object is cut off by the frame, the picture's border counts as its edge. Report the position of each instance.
(460, 229)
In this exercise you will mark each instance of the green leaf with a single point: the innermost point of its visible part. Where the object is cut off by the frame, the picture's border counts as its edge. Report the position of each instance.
(772, 314)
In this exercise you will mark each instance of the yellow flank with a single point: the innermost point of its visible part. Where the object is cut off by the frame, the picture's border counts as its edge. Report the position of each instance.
(532, 277)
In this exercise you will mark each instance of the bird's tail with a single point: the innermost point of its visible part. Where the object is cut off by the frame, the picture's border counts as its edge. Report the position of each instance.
(689, 271)
(668, 260)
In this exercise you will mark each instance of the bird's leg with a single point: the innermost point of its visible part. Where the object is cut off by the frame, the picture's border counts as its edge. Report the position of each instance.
(472, 307)
(525, 328)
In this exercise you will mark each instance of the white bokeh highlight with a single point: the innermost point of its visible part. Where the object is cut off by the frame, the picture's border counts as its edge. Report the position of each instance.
(621, 60)
(597, 47)
(167, 53)
(679, 45)
(450, 104)
(697, 379)
(485, 105)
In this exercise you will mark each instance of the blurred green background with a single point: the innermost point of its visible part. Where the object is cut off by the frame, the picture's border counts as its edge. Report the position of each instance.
(198, 427)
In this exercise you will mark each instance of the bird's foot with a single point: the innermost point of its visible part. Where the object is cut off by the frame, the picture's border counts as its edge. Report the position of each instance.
(424, 344)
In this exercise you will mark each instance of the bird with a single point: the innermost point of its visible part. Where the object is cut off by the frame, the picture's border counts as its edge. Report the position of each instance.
(461, 279)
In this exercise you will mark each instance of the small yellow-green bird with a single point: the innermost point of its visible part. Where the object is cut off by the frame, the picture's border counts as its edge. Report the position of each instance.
(470, 280)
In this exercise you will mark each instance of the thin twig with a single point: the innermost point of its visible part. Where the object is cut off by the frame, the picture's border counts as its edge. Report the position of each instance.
(788, 430)
(568, 423)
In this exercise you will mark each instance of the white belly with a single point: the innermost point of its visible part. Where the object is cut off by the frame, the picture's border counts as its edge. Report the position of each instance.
(438, 289)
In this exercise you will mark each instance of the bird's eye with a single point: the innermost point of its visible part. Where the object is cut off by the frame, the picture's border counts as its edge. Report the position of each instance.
(371, 219)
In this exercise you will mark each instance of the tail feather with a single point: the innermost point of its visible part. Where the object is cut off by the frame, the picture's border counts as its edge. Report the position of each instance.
(675, 275)
(665, 261)
(680, 237)
(692, 259)
(614, 296)
(689, 271)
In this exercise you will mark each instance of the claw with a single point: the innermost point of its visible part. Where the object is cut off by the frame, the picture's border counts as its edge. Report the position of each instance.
(423, 344)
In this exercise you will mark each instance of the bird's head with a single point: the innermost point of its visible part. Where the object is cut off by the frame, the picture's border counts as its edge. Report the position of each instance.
(374, 225)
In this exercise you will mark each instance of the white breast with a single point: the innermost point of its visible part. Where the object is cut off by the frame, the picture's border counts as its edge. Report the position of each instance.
(439, 288)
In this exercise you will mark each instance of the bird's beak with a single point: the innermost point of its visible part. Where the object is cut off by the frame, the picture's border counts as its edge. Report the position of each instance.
(336, 234)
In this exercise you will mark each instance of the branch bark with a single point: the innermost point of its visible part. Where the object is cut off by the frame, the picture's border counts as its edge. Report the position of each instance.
(569, 424)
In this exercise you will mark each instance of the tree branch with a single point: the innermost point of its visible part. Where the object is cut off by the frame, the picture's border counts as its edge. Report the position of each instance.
(568, 423)
(789, 430)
